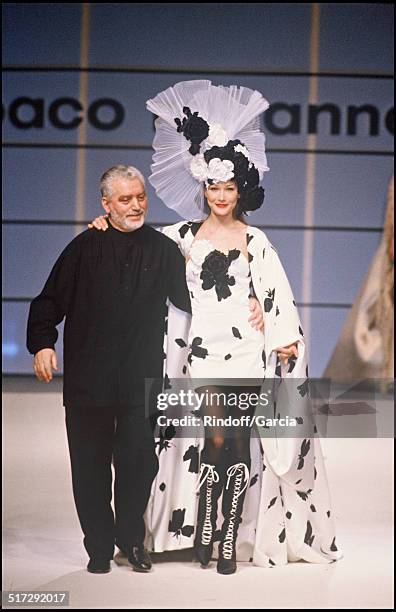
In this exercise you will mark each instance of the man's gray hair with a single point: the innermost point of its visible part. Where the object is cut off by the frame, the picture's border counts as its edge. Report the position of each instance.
(128, 172)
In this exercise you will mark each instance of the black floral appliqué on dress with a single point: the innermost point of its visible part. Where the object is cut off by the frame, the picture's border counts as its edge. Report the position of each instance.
(215, 272)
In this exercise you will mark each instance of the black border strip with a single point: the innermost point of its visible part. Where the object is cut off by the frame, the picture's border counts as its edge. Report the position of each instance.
(136, 147)
(209, 71)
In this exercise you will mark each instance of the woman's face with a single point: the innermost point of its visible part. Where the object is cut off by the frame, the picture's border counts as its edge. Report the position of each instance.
(222, 198)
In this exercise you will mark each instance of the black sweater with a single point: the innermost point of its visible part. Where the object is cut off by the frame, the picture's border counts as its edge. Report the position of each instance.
(112, 288)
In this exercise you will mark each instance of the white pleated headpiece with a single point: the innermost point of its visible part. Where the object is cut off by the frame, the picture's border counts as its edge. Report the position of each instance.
(231, 111)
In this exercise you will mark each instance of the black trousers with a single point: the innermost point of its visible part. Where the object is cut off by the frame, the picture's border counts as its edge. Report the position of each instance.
(97, 437)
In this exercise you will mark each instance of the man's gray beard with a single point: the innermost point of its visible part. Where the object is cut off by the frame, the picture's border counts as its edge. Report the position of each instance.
(124, 223)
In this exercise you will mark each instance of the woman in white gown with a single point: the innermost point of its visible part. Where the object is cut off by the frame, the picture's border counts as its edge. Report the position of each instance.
(209, 158)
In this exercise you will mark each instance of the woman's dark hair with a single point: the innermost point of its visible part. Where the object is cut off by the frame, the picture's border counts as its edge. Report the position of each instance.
(239, 213)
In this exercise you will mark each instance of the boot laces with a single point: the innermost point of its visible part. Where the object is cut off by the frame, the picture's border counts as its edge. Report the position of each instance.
(242, 472)
(211, 476)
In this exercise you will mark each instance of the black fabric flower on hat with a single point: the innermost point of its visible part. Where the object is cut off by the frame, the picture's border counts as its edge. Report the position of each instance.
(252, 199)
(241, 167)
(252, 178)
(194, 128)
(215, 273)
(226, 152)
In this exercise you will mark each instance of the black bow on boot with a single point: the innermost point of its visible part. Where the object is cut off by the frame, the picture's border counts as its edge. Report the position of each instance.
(233, 498)
(210, 486)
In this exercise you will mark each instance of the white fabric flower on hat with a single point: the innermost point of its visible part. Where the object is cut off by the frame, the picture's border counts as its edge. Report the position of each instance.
(217, 136)
(199, 168)
(220, 171)
(241, 149)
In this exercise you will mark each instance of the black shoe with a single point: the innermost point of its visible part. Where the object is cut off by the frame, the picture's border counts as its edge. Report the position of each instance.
(203, 554)
(139, 558)
(99, 566)
(226, 566)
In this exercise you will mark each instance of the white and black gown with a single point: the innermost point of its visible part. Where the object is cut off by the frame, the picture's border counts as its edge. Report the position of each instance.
(287, 514)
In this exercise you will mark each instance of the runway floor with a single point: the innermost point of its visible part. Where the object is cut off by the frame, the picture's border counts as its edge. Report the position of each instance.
(42, 543)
